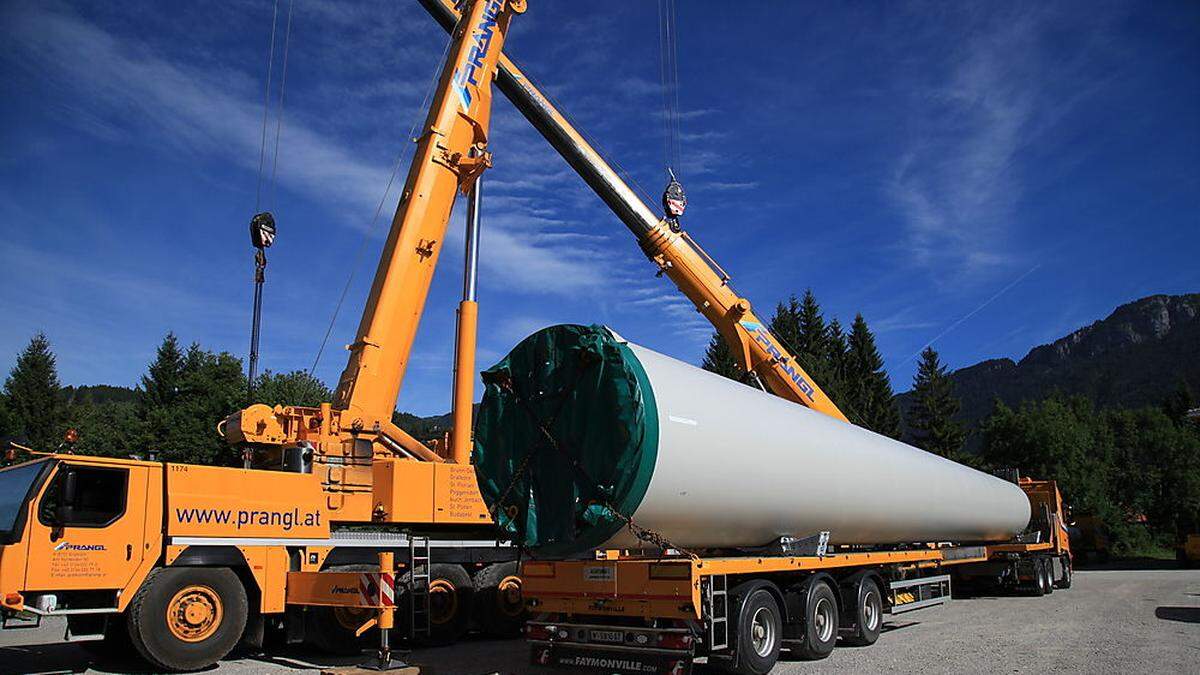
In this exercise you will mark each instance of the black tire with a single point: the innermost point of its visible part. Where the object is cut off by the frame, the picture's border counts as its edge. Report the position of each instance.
(331, 629)
(820, 623)
(449, 603)
(1065, 581)
(1048, 571)
(757, 634)
(868, 614)
(1037, 585)
(499, 607)
(169, 635)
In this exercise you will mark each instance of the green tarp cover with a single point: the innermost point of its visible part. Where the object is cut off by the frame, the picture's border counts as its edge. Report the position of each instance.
(591, 393)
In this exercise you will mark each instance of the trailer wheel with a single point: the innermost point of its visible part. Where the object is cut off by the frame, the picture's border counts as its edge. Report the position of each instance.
(1048, 567)
(758, 633)
(332, 629)
(499, 607)
(187, 618)
(450, 594)
(1065, 582)
(1039, 578)
(820, 622)
(869, 611)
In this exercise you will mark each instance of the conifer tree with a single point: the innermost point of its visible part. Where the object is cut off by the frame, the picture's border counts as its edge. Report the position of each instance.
(870, 398)
(718, 359)
(800, 326)
(931, 418)
(838, 348)
(160, 384)
(33, 396)
(182, 398)
(813, 340)
(785, 323)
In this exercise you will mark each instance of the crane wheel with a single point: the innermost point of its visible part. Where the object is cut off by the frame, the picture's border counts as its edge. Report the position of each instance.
(332, 629)
(499, 606)
(450, 595)
(868, 618)
(187, 618)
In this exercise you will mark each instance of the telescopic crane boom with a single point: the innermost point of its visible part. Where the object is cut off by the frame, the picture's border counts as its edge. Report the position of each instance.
(675, 253)
(367, 460)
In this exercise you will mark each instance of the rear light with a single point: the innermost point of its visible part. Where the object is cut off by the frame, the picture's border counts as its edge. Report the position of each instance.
(14, 600)
(537, 632)
(675, 640)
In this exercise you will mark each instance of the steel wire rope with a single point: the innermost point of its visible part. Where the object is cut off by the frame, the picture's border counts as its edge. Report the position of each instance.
(668, 68)
(362, 247)
(287, 40)
(262, 146)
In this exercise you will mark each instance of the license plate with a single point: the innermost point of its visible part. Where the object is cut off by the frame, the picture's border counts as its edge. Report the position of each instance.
(606, 636)
(608, 662)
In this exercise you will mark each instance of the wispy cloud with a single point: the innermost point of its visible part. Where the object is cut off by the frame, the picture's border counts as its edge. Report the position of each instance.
(964, 318)
(218, 113)
(957, 184)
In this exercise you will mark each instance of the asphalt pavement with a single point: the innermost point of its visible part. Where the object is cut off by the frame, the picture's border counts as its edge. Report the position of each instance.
(1110, 621)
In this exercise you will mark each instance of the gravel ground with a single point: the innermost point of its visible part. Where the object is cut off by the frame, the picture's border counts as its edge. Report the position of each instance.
(1110, 621)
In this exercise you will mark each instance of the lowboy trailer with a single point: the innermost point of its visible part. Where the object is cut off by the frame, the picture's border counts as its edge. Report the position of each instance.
(643, 613)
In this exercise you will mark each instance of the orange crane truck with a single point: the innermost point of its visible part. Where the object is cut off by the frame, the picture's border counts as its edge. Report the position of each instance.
(184, 561)
(656, 610)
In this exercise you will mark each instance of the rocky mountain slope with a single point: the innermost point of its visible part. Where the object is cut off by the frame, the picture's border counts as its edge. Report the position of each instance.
(1136, 356)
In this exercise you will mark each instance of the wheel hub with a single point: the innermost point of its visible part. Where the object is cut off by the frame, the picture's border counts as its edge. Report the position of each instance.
(762, 632)
(823, 620)
(194, 613)
(443, 601)
(870, 614)
(509, 597)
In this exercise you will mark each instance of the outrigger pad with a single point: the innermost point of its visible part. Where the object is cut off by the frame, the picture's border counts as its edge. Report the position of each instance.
(573, 405)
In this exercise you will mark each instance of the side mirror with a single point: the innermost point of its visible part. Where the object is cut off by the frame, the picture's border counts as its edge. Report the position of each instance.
(64, 512)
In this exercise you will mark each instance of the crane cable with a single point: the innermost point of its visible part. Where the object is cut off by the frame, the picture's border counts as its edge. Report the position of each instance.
(287, 40)
(262, 224)
(668, 67)
(674, 200)
(366, 236)
(262, 147)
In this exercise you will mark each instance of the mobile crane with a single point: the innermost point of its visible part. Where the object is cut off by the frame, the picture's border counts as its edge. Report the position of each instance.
(186, 560)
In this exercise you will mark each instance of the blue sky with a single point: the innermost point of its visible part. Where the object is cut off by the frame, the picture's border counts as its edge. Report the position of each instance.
(988, 176)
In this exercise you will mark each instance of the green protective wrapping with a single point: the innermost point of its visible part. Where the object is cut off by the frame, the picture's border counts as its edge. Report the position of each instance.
(590, 392)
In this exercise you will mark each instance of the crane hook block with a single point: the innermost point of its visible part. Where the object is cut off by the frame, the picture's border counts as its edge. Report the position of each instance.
(262, 230)
(674, 199)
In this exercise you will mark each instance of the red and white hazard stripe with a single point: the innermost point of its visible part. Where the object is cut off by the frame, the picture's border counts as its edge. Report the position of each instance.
(387, 589)
(377, 589)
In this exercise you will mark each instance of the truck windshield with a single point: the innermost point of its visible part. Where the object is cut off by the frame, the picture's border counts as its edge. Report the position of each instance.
(15, 485)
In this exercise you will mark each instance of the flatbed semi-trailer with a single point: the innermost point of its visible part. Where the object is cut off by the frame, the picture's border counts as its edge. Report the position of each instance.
(627, 611)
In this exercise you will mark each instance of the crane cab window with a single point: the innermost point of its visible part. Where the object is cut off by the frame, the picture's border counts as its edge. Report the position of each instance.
(84, 496)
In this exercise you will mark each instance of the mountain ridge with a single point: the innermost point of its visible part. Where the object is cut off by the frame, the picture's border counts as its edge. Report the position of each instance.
(1135, 356)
